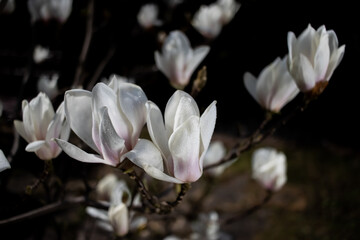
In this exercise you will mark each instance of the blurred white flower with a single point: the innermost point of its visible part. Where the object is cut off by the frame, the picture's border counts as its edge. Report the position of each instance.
(148, 16)
(4, 163)
(313, 56)
(228, 9)
(214, 154)
(109, 120)
(178, 60)
(41, 125)
(269, 168)
(9, 6)
(48, 85)
(207, 227)
(208, 20)
(49, 9)
(117, 219)
(40, 54)
(274, 87)
(182, 140)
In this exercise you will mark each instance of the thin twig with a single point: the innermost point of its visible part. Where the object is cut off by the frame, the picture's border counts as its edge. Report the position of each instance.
(44, 175)
(250, 210)
(87, 39)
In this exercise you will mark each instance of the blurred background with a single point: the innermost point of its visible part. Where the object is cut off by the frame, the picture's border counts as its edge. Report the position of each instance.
(321, 198)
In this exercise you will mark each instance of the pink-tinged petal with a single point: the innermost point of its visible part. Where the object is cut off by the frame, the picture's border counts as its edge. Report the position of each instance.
(41, 113)
(4, 163)
(146, 156)
(198, 55)
(184, 146)
(132, 101)
(19, 126)
(322, 57)
(104, 96)
(80, 155)
(171, 109)
(187, 107)
(112, 146)
(250, 83)
(34, 146)
(79, 114)
(303, 73)
(335, 59)
(207, 126)
(157, 131)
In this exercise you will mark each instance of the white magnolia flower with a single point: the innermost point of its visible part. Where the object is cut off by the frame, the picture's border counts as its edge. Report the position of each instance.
(208, 20)
(178, 60)
(148, 16)
(214, 154)
(313, 57)
(269, 168)
(41, 125)
(4, 163)
(109, 120)
(48, 85)
(117, 219)
(274, 87)
(49, 9)
(40, 54)
(228, 9)
(182, 140)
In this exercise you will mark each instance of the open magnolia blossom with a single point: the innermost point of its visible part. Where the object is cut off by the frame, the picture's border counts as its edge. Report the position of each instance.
(148, 16)
(274, 87)
(48, 85)
(178, 60)
(49, 9)
(109, 120)
(180, 142)
(269, 168)
(41, 125)
(313, 57)
(117, 219)
(208, 20)
(4, 163)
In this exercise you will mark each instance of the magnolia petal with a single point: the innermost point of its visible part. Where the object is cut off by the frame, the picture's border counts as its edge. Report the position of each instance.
(250, 83)
(322, 57)
(104, 96)
(335, 59)
(333, 41)
(198, 55)
(184, 146)
(132, 101)
(28, 122)
(306, 43)
(146, 156)
(80, 155)
(97, 213)
(4, 163)
(112, 146)
(34, 146)
(79, 114)
(156, 128)
(207, 126)
(55, 125)
(303, 73)
(41, 113)
(172, 107)
(19, 126)
(119, 219)
(187, 107)
(291, 42)
(162, 65)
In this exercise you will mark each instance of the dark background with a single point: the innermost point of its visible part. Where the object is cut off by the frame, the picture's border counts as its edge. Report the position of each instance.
(251, 41)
